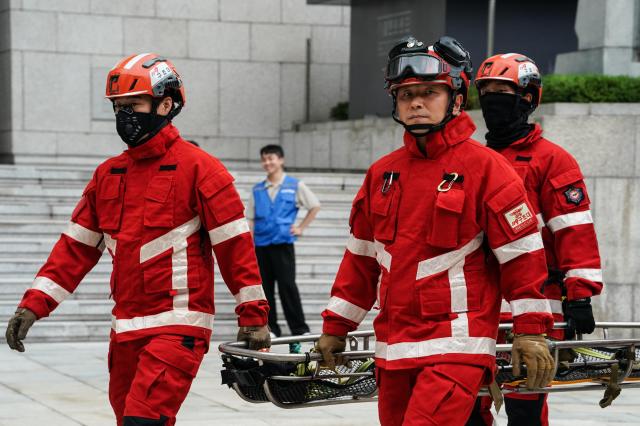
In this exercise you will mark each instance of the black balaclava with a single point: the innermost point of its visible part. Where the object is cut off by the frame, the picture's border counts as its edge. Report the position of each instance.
(131, 125)
(506, 116)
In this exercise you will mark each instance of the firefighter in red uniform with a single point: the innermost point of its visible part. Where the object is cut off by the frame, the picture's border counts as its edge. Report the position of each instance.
(423, 225)
(510, 90)
(159, 208)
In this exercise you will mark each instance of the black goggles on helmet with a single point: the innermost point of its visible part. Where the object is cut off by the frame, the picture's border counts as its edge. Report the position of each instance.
(415, 64)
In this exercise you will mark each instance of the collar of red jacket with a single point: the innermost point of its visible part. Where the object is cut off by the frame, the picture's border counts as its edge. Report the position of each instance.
(459, 129)
(157, 145)
(532, 136)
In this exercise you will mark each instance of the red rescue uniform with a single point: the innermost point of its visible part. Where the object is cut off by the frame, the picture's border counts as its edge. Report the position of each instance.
(556, 189)
(159, 208)
(424, 231)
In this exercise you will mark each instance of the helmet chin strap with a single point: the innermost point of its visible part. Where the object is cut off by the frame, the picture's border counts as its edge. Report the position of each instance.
(430, 128)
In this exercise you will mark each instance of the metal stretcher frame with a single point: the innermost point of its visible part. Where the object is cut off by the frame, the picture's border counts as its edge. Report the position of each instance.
(360, 345)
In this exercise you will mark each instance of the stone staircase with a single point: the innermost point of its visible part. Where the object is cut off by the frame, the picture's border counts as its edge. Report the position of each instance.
(35, 205)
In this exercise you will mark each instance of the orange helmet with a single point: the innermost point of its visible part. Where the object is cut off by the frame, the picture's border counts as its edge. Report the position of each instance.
(412, 62)
(513, 68)
(146, 74)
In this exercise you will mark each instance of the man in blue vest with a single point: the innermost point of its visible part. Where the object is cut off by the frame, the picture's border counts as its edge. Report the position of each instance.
(272, 211)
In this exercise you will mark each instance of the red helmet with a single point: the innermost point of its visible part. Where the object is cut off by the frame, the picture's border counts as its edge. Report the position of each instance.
(412, 62)
(514, 68)
(145, 74)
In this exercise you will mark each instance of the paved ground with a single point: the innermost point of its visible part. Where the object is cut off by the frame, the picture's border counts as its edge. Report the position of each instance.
(65, 384)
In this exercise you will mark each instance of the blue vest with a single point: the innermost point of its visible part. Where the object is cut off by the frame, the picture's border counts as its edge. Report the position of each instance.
(273, 219)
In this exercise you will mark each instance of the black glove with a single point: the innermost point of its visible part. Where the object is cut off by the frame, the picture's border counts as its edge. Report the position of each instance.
(18, 327)
(579, 317)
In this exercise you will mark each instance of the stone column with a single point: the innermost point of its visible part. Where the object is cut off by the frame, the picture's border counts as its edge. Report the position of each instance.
(608, 39)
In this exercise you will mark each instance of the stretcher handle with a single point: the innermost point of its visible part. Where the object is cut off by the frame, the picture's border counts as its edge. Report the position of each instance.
(604, 324)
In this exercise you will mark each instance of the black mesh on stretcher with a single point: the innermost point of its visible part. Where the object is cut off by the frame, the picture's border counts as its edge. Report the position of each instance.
(249, 378)
(589, 363)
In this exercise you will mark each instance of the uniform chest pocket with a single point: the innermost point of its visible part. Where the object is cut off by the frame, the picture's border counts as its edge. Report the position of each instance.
(384, 209)
(447, 211)
(159, 202)
(109, 202)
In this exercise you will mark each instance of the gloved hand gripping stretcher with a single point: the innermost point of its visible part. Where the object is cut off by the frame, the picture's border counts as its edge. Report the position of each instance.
(296, 380)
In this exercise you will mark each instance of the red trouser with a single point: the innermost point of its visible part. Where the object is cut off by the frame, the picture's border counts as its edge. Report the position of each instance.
(441, 394)
(149, 378)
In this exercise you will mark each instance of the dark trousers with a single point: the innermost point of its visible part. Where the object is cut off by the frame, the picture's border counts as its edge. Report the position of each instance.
(278, 263)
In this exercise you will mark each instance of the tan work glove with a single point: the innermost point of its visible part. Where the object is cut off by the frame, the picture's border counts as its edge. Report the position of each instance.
(19, 325)
(257, 337)
(533, 350)
(328, 345)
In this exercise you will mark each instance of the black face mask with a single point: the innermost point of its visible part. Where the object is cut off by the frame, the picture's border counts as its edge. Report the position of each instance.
(506, 117)
(132, 126)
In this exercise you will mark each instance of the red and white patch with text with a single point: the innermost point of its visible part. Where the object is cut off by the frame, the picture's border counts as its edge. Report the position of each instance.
(520, 217)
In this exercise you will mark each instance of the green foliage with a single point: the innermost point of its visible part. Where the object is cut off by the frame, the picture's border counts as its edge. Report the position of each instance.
(340, 112)
(590, 88)
(581, 88)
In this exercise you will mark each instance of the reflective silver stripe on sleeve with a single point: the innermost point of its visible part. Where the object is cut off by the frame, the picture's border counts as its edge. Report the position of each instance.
(516, 248)
(556, 306)
(346, 309)
(383, 256)
(50, 288)
(361, 247)
(110, 243)
(525, 306)
(540, 221)
(586, 273)
(571, 219)
(229, 230)
(250, 293)
(83, 235)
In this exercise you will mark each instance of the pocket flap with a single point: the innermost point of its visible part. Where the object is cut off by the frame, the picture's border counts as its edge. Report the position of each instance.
(512, 192)
(159, 188)
(452, 200)
(110, 187)
(214, 183)
(566, 178)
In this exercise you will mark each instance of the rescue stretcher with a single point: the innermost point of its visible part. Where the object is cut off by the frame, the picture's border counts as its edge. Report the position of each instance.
(296, 380)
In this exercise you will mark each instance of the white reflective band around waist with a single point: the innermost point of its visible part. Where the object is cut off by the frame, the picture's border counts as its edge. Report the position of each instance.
(382, 255)
(176, 238)
(586, 273)
(516, 248)
(169, 318)
(83, 235)
(50, 288)
(228, 230)
(554, 305)
(440, 346)
(346, 309)
(446, 261)
(250, 293)
(525, 306)
(361, 247)
(570, 219)
(110, 243)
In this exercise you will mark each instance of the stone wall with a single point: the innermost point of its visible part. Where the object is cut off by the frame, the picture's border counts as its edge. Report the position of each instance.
(604, 138)
(243, 64)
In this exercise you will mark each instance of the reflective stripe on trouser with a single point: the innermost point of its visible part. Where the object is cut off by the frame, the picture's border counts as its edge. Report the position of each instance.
(451, 391)
(150, 377)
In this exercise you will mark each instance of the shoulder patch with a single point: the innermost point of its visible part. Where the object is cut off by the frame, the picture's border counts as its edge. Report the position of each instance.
(574, 195)
(520, 217)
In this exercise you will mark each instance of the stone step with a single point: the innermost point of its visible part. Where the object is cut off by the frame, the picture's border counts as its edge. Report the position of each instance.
(311, 267)
(48, 330)
(98, 310)
(97, 287)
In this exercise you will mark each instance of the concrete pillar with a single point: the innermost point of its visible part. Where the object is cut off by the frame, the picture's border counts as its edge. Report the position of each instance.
(608, 39)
